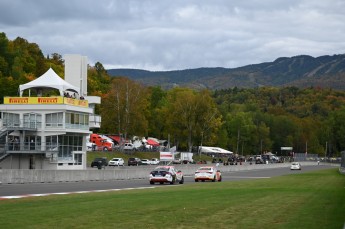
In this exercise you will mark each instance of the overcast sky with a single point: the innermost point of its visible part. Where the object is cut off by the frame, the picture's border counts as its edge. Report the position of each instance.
(179, 34)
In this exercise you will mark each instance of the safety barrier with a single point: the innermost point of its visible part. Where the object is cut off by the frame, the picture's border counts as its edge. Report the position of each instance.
(18, 176)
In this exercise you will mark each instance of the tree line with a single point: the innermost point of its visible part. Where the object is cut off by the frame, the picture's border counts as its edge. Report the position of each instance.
(243, 120)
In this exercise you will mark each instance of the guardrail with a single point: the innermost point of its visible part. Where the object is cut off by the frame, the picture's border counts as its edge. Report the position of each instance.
(17, 176)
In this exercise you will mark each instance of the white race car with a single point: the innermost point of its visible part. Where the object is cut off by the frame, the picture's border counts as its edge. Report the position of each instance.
(295, 166)
(208, 173)
(166, 174)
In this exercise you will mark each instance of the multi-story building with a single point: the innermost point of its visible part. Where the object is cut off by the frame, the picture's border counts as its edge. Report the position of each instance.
(46, 126)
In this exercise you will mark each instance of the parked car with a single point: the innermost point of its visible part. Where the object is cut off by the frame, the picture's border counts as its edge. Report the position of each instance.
(128, 146)
(259, 160)
(154, 161)
(116, 162)
(275, 159)
(295, 166)
(134, 161)
(145, 162)
(177, 161)
(166, 174)
(208, 173)
(99, 161)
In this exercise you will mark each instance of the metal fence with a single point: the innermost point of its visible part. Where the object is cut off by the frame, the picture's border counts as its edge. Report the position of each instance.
(305, 157)
(342, 163)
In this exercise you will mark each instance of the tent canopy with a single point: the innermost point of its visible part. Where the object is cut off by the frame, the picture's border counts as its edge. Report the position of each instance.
(49, 80)
(152, 142)
(207, 149)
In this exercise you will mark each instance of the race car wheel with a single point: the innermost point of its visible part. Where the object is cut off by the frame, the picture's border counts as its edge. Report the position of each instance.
(173, 181)
(181, 181)
(214, 179)
(151, 182)
(196, 180)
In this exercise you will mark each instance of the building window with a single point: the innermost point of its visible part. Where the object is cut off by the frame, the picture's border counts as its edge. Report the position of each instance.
(54, 120)
(78, 159)
(32, 120)
(11, 119)
(32, 142)
(53, 143)
(77, 121)
(65, 145)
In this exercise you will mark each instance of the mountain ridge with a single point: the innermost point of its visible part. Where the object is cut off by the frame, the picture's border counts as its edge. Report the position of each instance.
(300, 71)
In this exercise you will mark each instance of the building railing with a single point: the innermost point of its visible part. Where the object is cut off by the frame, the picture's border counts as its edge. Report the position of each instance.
(10, 124)
(34, 125)
(27, 146)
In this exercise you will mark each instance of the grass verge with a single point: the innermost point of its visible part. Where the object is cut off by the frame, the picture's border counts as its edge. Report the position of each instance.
(309, 200)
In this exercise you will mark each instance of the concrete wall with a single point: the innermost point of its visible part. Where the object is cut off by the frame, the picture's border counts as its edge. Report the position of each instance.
(40, 162)
(16, 162)
(13, 176)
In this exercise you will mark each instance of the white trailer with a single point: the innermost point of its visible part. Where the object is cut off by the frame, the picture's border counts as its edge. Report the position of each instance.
(187, 157)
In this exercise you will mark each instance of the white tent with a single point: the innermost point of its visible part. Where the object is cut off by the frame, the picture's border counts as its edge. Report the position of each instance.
(49, 80)
(208, 149)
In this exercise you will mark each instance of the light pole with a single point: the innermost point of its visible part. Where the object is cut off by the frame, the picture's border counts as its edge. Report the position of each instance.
(200, 148)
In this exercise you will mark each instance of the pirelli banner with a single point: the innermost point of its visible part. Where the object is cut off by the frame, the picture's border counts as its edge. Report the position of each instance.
(46, 100)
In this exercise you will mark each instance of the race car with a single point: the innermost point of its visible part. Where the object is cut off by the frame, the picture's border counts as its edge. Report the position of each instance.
(208, 173)
(295, 166)
(166, 174)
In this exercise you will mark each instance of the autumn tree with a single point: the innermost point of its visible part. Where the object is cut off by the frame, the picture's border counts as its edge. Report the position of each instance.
(124, 108)
(241, 131)
(336, 132)
(98, 82)
(191, 115)
(157, 121)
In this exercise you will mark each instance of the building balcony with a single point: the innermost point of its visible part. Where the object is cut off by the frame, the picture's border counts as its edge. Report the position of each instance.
(95, 121)
(6, 125)
(27, 147)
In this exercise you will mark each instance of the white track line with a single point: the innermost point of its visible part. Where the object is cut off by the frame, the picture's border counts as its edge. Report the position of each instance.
(241, 177)
(66, 193)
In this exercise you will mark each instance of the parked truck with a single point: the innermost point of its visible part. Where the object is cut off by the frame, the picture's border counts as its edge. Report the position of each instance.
(101, 143)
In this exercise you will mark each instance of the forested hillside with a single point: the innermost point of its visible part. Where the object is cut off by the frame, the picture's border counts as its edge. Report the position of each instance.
(301, 71)
(243, 120)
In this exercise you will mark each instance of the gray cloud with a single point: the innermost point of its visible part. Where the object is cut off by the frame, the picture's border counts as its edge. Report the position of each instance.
(168, 35)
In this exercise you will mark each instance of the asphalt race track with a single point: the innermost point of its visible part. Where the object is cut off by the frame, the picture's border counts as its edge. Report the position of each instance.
(8, 191)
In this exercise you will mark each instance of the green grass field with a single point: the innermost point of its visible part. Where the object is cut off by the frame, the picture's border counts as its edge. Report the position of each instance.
(302, 200)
